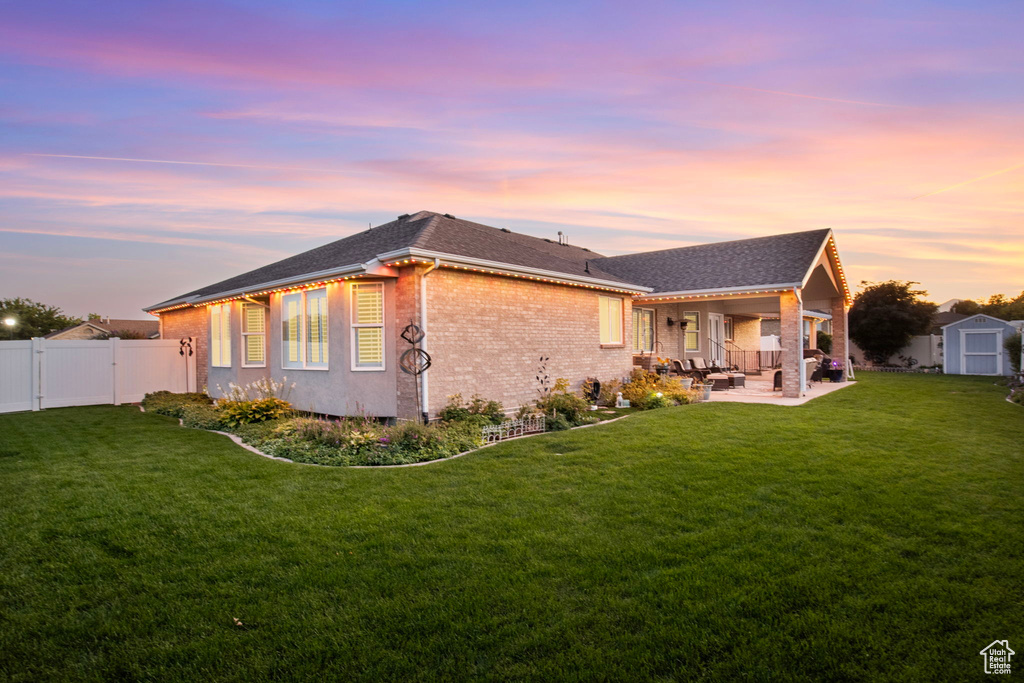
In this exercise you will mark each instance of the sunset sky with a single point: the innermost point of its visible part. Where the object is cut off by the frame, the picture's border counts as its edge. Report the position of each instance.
(150, 148)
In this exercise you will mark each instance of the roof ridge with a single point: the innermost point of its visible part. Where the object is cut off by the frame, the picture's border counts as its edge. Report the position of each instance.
(430, 223)
(714, 244)
(480, 227)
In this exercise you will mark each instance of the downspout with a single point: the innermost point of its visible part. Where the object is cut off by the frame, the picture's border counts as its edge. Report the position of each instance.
(424, 392)
(802, 370)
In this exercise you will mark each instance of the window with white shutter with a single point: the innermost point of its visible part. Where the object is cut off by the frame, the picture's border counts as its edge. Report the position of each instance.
(254, 335)
(610, 318)
(368, 326)
(220, 335)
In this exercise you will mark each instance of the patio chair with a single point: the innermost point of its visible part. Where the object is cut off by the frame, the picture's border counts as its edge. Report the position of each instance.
(700, 367)
(818, 372)
(682, 371)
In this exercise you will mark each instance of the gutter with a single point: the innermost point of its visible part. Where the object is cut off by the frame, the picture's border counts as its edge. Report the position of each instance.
(721, 291)
(424, 390)
(500, 268)
(252, 290)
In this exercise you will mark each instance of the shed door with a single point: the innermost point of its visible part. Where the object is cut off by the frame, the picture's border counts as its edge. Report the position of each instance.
(981, 352)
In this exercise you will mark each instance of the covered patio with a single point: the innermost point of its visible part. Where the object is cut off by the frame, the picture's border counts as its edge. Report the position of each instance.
(723, 324)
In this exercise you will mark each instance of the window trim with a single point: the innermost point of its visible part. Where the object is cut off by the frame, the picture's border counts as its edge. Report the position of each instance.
(220, 337)
(652, 328)
(303, 322)
(611, 343)
(354, 326)
(728, 328)
(695, 330)
(245, 345)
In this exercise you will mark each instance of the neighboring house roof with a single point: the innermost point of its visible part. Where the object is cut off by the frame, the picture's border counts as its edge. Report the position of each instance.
(943, 318)
(757, 262)
(147, 328)
(426, 232)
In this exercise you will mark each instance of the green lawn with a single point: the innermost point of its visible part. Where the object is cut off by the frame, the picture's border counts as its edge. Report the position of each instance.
(872, 534)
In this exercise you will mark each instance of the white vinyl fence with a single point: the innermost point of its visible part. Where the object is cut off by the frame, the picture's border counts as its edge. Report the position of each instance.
(45, 373)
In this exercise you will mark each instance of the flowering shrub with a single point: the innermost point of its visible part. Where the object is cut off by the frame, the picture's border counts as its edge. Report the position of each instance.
(475, 410)
(263, 388)
(359, 440)
(560, 401)
(646, 390)
(609, 390)
(658, 400)
(172, 405)
(234, 413)
(201, 416)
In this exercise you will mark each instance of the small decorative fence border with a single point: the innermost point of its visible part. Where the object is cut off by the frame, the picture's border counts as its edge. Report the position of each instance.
(883, 368)
(510, 429)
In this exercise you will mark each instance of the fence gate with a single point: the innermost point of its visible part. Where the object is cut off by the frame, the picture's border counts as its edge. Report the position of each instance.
(44, 373)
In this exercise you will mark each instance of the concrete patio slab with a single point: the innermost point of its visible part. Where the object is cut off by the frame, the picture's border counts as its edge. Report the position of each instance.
(759, 390)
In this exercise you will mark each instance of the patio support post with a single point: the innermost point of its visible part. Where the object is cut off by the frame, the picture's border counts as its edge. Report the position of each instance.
(840, 336)
(791, 320)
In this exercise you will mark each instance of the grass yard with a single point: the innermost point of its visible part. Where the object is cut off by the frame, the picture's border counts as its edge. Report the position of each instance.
(872, 534)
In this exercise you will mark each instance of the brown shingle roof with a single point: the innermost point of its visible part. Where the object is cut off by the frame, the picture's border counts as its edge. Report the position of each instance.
(760, 261)
(428, 231)
(943, 318)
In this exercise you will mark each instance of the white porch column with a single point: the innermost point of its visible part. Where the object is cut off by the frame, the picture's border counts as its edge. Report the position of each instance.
(812, 333)
(840, 336)
(791, 321)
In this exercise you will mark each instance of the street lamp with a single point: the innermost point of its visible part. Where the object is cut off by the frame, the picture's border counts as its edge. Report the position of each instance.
(10, 323)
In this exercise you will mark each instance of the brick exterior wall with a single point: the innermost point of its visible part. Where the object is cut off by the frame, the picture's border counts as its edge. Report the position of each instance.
(486, 335)
(746, 332)
(792, 335)
(407, 296)
(840, 336)
(190, 322)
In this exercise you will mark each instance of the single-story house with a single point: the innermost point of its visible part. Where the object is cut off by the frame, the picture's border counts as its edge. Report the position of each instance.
(974, 346)
(102, 328)
(491, 303)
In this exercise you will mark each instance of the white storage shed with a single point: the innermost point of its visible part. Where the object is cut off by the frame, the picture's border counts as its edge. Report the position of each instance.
(974, 346)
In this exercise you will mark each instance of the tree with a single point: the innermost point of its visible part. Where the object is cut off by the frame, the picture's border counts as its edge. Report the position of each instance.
(32, 319)
(966, 307)
(997, 306)
(120, 334)
(824, 342)
(885, 316)
(1012, 345)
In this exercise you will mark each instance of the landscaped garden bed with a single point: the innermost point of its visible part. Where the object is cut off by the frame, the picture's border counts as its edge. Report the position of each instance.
(260, 415)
